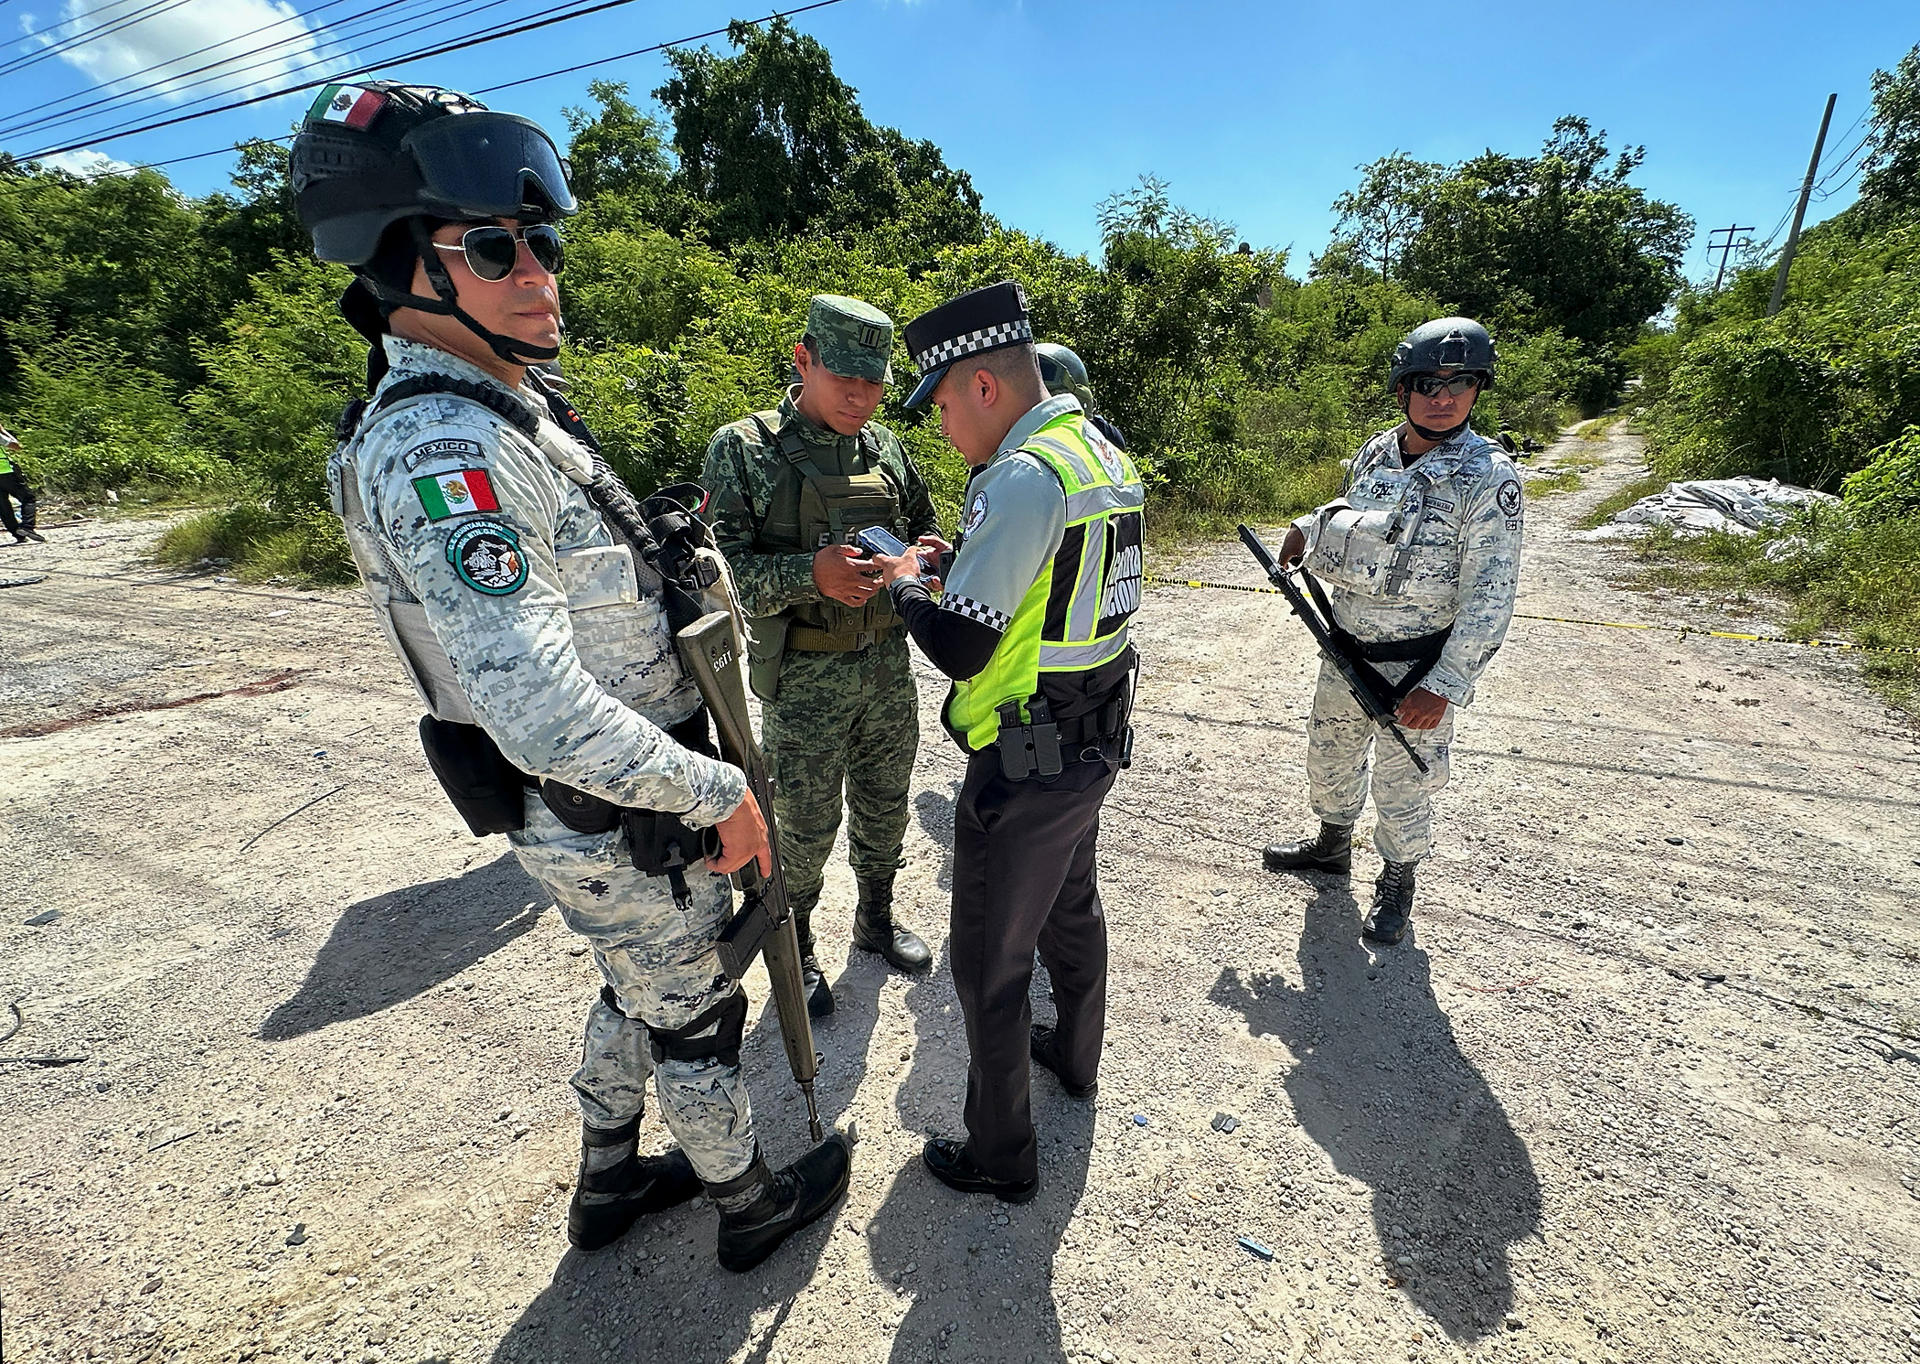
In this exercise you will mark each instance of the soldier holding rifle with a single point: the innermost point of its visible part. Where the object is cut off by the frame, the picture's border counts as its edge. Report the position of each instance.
(535, 605)
(1415, 567)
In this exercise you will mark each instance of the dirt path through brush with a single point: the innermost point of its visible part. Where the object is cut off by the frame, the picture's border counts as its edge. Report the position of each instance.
(1642, 1086)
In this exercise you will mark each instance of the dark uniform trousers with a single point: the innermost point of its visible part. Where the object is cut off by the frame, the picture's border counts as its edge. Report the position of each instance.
(13, 488)
(1024, 877)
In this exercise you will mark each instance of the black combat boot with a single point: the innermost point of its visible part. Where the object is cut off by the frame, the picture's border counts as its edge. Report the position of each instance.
(760, 1209)
(813, 981)
(617, 1187)
(1331, 851)
(1392, 907)
(874, 929)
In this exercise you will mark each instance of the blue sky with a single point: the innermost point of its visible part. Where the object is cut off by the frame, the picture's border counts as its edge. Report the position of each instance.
(1256, 113)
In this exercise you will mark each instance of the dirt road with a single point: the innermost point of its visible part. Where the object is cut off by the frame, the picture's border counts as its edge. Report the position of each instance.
(1642, 1086)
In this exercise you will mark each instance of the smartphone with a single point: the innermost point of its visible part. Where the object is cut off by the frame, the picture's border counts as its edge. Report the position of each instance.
(879, 540)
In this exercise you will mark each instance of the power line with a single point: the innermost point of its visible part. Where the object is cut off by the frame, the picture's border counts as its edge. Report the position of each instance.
(152, 10)
(492, 89)
(48, 112)
(421, 55)
(296, 67)
(656, 47)
(27, 34)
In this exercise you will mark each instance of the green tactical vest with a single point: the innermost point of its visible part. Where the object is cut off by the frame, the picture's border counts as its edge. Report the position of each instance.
(1074, 617)
(811, 509)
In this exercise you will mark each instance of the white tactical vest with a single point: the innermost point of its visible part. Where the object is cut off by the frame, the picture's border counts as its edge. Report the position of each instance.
(616, 613)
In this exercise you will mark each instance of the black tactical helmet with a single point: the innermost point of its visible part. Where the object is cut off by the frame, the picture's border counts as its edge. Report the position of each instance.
(1444, 343)
(369, 156)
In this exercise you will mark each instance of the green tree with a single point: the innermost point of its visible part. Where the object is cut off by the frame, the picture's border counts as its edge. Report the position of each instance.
(1560, 240)
(619, 154)
(774, 144)
(120, 259)
(258, 223)
(1380, 215)
(1891, 183)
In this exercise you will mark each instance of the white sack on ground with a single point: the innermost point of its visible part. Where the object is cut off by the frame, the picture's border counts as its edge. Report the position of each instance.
(1741, 506)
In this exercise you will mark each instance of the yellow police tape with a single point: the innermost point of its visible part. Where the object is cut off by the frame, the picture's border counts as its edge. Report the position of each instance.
(1682, 630)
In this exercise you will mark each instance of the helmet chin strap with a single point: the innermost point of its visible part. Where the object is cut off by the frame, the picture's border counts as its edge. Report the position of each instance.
(1427, 432)
(509, 348)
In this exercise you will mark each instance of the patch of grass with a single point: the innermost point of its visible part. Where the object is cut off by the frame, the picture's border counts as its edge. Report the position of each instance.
(1176, 518)
(1558, 481)
(1838, 576)
(258, 543)
(1621, 498)
(1598, 428)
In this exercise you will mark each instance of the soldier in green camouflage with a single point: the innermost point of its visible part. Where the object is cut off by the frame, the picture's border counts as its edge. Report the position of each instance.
(788, 491)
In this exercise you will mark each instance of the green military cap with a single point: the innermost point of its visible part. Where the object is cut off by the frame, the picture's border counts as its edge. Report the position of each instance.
(855, 338)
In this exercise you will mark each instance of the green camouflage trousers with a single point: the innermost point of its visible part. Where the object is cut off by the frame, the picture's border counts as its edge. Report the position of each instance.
(842, 724)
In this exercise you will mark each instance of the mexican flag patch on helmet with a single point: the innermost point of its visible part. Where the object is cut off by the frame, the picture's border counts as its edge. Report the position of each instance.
(347, 104)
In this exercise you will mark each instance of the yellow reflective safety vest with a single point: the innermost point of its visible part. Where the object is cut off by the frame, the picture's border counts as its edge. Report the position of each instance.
(1074, 618)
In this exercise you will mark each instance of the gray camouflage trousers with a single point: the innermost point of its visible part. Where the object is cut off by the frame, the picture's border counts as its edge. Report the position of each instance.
(1340, 768)
(661, 964)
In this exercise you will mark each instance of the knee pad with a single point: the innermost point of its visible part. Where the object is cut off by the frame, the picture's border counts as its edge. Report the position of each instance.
(683, 1044)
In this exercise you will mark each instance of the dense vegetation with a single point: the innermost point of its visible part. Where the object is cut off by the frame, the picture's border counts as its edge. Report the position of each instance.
(1824, 393)
(189, 347)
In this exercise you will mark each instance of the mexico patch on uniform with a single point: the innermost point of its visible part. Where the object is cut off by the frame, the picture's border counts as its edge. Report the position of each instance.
(487, 556)
(455, 494)
(1509, 497)
(447, 447)
(976, 513)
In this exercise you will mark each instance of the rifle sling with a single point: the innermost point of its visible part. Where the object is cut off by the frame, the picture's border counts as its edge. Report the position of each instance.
(1423, 651)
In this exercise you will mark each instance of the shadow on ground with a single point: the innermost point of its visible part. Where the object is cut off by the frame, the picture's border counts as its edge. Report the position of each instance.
(947, 1258)
(979, 1287)
(394, 946)
(1383, 1087)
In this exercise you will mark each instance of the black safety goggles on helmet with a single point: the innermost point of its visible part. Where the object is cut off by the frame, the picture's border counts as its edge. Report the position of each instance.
(480, 165)
(492, 251)
(1428, 385)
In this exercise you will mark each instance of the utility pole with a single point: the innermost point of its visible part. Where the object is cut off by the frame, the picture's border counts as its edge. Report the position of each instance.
(1800, 211)
(1725, 249)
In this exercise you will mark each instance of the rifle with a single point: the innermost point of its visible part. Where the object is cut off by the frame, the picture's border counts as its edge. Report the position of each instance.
(764, 924)
(1379, 709)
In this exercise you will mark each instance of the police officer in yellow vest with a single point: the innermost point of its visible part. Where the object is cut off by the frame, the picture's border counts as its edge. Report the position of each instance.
(789, 490)
(1032, 625)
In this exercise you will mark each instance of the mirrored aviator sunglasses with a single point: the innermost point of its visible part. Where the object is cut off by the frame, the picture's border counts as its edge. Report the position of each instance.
(1432, 385)
(491, 251)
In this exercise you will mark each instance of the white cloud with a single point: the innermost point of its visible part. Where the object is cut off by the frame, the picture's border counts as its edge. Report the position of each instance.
(88, 162)
(167, 45)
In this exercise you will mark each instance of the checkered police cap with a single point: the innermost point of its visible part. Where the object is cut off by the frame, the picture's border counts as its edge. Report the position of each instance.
(982, 320)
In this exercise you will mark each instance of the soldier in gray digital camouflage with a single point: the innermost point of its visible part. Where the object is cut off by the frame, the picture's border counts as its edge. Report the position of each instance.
(516, 579)
(1415, 565)
(788, 489)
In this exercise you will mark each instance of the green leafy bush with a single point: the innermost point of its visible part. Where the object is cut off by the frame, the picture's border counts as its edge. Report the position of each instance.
(89, 422)
(1889, 486)
(276, 385)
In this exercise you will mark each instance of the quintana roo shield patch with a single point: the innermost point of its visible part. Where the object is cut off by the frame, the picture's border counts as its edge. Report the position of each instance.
(976, 513)
(488, 558)
(1509, 497)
